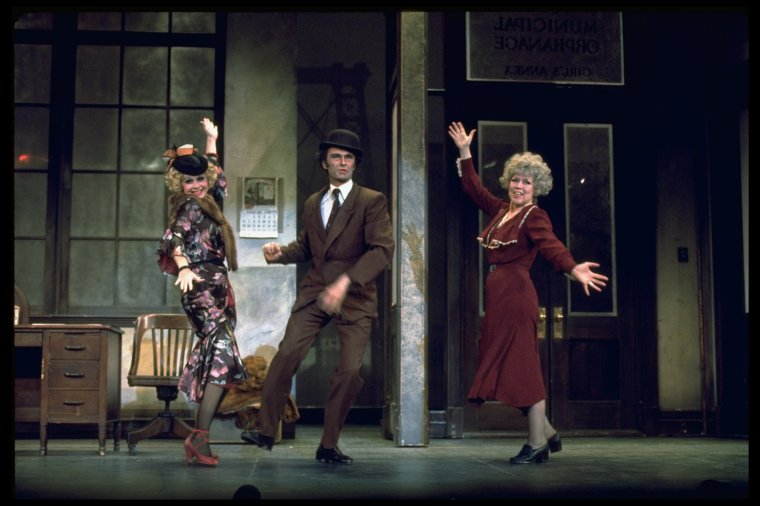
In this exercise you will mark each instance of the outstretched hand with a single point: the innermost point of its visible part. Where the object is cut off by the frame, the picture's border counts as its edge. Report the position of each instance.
(185, 278)
(583, 274)
(459, 135)
(210, 128)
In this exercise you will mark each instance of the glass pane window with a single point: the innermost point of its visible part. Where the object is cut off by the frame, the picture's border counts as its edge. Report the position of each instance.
(143, 136)
(138, 283)
(104, 21)
(589, 191)
(32, 73)
(193, 22)
(184, 127)
(31, 131)
(146, 21)
(120, 100)
(29, 203)
(91, 273)
(34, 21)
(97, 75)
(145, 75)
(192, 76)
(32, 79)
(141, 205)
(29, 269)
(93, 208)
(95, 139)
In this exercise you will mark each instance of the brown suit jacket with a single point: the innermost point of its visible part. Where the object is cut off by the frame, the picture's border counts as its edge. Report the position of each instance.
(359, 243)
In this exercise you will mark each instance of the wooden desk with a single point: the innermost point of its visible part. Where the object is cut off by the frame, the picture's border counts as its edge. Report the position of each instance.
(27, 360)
(79, 377)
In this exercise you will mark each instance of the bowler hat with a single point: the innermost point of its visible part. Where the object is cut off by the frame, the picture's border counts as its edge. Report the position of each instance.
(343, 139)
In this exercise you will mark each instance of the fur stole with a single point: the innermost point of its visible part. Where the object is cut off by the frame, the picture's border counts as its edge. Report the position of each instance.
(212, 210)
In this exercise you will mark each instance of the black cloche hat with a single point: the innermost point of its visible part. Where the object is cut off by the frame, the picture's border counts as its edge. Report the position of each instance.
(189, 162)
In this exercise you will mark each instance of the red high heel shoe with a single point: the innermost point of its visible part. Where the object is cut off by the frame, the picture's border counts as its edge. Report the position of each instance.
(189, 442)
(192, 453)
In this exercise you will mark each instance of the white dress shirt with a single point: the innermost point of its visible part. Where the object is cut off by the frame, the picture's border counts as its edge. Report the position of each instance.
(327, 199)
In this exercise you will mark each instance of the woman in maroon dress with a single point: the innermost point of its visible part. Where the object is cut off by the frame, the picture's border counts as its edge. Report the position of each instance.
(509, 367)
(194, 248)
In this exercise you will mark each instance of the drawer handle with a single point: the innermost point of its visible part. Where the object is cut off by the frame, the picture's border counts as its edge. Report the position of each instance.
(73, 347)
(74, 374)
(73, 403)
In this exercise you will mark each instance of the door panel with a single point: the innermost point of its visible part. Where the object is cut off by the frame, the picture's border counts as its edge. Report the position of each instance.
(586, 365)
(497, 141)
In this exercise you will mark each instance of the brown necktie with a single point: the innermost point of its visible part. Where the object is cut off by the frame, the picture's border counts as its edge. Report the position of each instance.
(335, 207)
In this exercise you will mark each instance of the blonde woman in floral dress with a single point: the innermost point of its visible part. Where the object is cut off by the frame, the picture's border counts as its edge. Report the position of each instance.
(194, 248)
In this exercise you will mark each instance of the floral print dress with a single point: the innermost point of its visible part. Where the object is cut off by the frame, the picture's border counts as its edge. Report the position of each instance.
(210, 304)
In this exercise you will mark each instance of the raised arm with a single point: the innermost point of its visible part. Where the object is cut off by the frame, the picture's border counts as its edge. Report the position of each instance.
(212, 133)
(461, 139)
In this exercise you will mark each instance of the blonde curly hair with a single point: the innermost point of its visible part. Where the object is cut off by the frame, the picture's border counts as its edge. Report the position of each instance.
(173, 178)
(530, 165)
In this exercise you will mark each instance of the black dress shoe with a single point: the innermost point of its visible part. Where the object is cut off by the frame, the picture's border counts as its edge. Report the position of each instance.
(257, 438)
(528, 455)
(333, 456)
(555, 443)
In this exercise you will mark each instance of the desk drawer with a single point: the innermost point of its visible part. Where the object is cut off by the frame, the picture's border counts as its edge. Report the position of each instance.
(72, 402)
(74, 374)
(72, 346)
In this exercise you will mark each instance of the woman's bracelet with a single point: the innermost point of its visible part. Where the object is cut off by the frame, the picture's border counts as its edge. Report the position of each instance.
(186, 266)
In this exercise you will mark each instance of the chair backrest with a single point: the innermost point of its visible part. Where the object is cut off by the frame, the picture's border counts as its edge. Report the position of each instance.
(20, 307)
(162, 344)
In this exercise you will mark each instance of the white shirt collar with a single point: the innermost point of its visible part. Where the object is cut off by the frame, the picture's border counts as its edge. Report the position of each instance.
(345, 189)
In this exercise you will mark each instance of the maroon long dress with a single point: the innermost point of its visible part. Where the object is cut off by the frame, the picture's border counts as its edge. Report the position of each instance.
(509, 366)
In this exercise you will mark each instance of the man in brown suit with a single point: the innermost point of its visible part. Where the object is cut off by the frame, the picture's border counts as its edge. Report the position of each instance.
(348, 238)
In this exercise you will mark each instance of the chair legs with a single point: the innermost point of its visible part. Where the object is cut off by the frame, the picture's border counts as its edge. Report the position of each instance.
(180, 428)
(164, 423)
(153, 428)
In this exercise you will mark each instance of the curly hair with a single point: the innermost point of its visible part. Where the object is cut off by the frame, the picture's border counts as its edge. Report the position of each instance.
(531, 165)
(173, 178)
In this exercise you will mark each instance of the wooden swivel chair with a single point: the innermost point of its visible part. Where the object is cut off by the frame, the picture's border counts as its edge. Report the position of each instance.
(20, 307)
(162, 344)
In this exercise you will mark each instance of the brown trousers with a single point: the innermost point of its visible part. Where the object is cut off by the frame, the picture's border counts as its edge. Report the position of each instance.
(345, 383)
